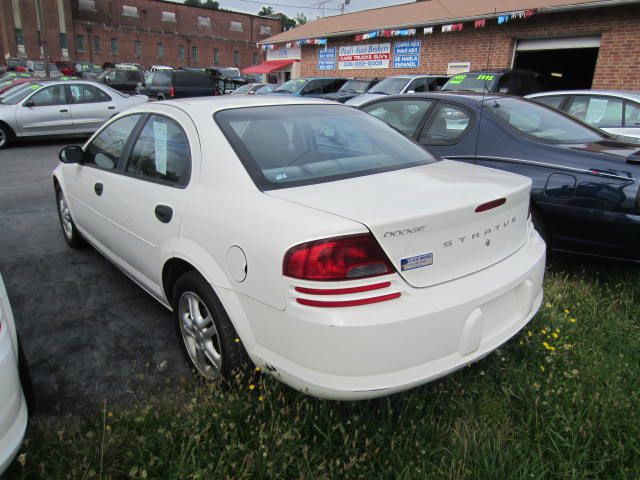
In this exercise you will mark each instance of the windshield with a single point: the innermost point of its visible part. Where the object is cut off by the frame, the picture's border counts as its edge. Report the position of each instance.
(266, 89)
(14, 62)
(355, 86)
(243, 89)
(472, 82)
(293, 145)
(18, 93)
(292, 86)
(541, 123)
(390, 86)
(230, 72)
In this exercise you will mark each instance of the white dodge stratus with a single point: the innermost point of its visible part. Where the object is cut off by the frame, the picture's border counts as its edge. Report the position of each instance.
(340, 256)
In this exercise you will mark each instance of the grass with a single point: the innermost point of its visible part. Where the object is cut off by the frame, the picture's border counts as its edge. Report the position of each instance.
(559, 401)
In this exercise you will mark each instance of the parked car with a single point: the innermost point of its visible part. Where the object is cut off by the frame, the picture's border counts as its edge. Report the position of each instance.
(160, 68)
(124, 80)
(13, 75)
(398, 85)
(508, 81)
(227, 80)
(311, 87)
(39, 69)
(17, 64)
(66, 68)
(165, 85)
(267, 89)
(336, 238)
(351, 88)
(615, 112)
(586, 185)
(16, 394)
(87, 70)
(248, 89)
(59, 108)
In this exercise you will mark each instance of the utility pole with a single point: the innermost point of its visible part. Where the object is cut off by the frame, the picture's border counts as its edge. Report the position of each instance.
(344, 4)
(323, 5)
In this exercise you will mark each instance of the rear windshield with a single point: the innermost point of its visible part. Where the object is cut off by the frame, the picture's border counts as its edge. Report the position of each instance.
(472, 82)
(192, 79)
(390, 86)
(541, 123)
(292, 145)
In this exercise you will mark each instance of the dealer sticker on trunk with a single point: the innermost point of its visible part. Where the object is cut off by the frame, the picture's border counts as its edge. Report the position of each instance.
(411, 263)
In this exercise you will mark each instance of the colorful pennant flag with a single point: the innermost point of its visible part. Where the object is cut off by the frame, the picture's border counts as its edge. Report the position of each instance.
(480, 23)
(428, 30)
(454, 27)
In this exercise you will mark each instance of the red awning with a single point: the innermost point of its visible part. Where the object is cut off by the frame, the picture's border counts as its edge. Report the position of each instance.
(267, 67)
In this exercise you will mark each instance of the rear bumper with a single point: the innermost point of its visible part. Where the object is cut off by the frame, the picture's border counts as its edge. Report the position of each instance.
(13, 407)
(375, 350)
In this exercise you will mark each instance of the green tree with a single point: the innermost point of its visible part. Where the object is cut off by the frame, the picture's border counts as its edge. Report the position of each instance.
(212, 4)
(301, 18)
(266, 11)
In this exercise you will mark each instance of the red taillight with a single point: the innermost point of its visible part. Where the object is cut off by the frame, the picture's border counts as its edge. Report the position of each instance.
(347, 303)
(489, 205)
(172, 92)
(341, 258)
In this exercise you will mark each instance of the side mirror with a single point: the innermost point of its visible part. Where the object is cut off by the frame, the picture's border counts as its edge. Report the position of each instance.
(71, 154)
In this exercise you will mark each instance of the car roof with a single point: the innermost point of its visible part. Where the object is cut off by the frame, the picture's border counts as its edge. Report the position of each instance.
(417, 75)
(614, 93)
(467, 98)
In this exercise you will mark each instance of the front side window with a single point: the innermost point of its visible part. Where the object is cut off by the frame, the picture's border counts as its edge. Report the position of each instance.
(285, 146)
(87, 94)
(601, 112)
(447, 127)
(106, 149)
(540, 122)
(161, 152)
(418, 85)
(404, 115)
(631, 115)
(54, 95)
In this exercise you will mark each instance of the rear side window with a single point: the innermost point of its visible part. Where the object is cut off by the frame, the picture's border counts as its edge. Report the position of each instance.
(405, 115)
(418, 85)
(314, 87)
(192, 79)
(88, 94)
(161, 79)
(448, 125)
(106, 149)
(601, 112)
(285, 146)
(631, 114)
(161, 152)
(553, 102)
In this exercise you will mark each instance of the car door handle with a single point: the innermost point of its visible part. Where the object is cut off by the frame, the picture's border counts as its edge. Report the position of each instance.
(98, 188)
(64, 110)
(164, 213)
(111, 107)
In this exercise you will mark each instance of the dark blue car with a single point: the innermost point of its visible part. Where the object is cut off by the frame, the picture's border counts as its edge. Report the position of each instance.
(586, 185)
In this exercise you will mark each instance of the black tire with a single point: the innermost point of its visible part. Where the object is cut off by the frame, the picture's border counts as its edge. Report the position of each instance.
(5, 136)
(25, 380)
(233, 357)
(69, 231)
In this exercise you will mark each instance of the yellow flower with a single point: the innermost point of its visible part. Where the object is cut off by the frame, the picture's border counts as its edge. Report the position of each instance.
(258, 370)
(557, 330)
(543, 331)
(548, 305)
(260, 398)
(541, 368)
(108, 428)
(566, 311)
(252, 387)
(237, 340)
(572, 320)
(554, 335)
(529, 333)
(110, 414)
(548, 347)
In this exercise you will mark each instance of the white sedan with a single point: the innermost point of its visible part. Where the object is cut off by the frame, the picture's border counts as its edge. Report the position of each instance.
(59, 108)
(13, 374)
(337, 254)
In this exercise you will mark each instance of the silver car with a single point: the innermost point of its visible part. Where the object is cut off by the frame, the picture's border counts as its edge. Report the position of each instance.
(59, 108)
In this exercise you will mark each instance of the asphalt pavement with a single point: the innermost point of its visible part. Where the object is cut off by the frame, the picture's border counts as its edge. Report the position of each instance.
(89, 333)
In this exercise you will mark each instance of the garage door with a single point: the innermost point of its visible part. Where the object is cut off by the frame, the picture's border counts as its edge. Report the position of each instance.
(563, 63)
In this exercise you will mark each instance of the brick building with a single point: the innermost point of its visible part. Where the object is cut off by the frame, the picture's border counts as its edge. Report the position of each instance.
(573, 44)
(140, 31)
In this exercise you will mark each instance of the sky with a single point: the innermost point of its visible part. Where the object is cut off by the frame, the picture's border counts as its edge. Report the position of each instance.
(308, 7)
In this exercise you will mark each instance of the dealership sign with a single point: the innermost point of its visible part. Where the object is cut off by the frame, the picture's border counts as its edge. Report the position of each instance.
(327, 58)
(407, 54)
(356, 57)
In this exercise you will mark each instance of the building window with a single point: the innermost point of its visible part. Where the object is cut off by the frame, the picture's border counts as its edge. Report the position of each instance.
(265, 30)
(236, 26)
(181, 53)
(256, 58)
(194, 54)
(129, 11)
(80, 43)
(169, 17)
(138, 48)
(97, 44)
(160, 51)
(63, 41)
(204, 22)
(19, 36)
(216, 56)
(114, 46)
(236, 57)
(87, 5)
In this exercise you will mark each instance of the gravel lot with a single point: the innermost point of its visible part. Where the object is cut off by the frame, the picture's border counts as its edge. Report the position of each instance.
(89, 333)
